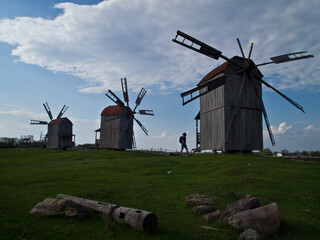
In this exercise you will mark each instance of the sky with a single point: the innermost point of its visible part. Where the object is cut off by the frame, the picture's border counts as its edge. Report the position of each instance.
(72, 52)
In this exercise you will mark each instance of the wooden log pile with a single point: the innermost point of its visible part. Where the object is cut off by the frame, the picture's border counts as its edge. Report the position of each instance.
(138, 219)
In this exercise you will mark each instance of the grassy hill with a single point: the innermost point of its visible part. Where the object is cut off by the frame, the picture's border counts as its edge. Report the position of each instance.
(154, 183)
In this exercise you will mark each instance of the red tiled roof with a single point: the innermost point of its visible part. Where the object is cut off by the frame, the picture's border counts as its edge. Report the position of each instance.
(214, 72)
(57, 121)
(111, 110)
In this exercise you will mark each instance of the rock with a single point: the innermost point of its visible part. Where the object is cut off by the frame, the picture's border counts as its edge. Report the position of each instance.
(239, 206)
(51, 206)
(251, 234)
(203, 209)
(197, 199)
(210, 217)
(264, 219)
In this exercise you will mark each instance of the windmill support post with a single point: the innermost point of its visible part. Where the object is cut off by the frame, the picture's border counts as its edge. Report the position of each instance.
(138, 219)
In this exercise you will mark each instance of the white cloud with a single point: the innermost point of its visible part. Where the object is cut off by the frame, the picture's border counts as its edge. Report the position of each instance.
(132, 38)
(24, 113)
(281, 129)
(310, 127)
(293, 138)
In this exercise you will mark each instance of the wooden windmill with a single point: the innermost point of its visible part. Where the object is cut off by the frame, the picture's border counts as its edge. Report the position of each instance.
(231, 105)
(116, 128)
(59, 134)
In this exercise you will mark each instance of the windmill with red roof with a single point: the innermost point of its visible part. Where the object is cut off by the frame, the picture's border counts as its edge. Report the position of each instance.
(116, 128)
(59, 134)
(231, 105)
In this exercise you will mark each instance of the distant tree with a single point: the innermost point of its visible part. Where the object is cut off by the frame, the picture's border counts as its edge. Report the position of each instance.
(285, 152)
(296, 153)
(267, 152)
(315, 153)
(304, 153)
(8, 142)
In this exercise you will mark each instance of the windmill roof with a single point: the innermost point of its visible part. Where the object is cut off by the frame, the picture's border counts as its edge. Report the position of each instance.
(111, 110)
(58, 121)
(213, 73)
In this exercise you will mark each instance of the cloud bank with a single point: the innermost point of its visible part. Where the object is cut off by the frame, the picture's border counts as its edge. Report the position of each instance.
(132, 38)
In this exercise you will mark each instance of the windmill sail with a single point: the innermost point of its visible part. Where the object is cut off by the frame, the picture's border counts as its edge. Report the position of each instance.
(38, 122)
(146, 112)
(46, 107)
(125, 90)
(210, 86)
(197, 45)
(287, 58)
(114, 98)
(142, 127)
(63, 110)
(140, 97)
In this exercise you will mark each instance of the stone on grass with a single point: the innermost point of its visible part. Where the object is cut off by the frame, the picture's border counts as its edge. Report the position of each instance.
(197, 199)
(251, 234)
(264, 219)
(51, 206)
(239, 206)
(210, 217)
(203, 209)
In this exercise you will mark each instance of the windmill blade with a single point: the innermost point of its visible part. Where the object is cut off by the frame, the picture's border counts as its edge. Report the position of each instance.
(125, 90)
(142, 127)
(140, 97)
(287, 58)
(281, 94)
(46, 107)
(210, 87)
(200, 46)
(134, 144)
(249, 56)
(237, 106)
(146, 112)
(114, 98)
(63, 110)
(244, 57)
(38, 122)
(266, 119)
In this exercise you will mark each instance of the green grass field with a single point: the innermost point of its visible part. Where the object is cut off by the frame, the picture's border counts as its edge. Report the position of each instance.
(140, 180)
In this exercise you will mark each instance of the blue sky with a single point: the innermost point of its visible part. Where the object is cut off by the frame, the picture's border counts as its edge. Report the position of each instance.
(72, 52)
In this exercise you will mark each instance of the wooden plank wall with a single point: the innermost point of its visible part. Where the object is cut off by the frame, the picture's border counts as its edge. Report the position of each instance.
(216, 109)
(112, 133)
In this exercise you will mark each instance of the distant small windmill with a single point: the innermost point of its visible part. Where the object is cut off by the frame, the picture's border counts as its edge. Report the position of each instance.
(116, 128)
(231, 99)
(59, 134)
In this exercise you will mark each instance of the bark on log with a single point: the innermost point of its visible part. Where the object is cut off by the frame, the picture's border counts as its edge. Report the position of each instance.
(138, 219)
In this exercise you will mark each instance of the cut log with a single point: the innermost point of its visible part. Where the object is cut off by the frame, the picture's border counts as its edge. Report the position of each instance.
(138, 219)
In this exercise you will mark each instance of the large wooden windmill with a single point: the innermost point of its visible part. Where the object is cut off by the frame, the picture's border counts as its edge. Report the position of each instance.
(116, 128)
(59, 134)
(231, 105)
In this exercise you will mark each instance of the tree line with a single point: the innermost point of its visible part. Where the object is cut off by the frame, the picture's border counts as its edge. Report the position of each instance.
(297, 153)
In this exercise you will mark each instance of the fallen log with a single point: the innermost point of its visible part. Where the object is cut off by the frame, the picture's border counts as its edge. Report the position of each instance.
(138, 219)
